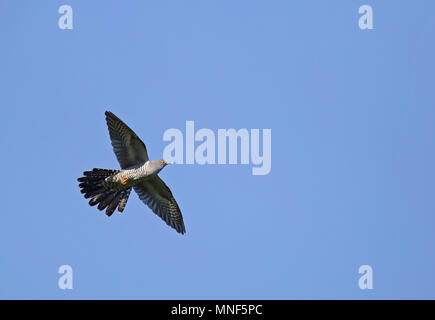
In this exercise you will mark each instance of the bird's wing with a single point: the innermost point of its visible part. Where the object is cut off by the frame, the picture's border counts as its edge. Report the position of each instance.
(129, 149)
(158, 197)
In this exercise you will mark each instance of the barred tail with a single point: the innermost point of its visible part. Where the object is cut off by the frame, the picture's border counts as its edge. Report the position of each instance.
(92, 186)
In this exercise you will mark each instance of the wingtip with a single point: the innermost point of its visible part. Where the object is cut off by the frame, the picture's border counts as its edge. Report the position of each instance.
(110, 116)
(181, 231)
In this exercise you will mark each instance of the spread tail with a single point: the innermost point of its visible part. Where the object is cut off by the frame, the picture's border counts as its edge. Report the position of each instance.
(92, 187)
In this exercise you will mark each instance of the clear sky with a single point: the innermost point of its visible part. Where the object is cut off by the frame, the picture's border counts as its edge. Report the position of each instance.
(353, 148)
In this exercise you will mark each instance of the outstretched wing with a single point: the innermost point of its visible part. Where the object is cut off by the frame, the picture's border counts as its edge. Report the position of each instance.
(158, 197)
(129, 149)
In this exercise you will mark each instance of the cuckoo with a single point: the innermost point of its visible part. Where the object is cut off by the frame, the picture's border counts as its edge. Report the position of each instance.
(110, 189)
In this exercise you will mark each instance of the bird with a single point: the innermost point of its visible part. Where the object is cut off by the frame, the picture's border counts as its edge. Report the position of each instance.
(111, 188)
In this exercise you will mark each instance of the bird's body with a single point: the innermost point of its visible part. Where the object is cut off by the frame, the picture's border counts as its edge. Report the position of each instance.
(127, 178)
(110, 189)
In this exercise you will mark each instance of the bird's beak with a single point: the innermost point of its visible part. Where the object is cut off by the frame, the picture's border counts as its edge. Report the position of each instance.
(168, 162)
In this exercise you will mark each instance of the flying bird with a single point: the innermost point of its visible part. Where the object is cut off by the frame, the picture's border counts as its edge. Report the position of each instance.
(110, 189)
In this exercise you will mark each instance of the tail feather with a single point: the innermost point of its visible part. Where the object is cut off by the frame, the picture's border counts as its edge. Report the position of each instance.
(93, 193)
(106, 200)
(100, 197)
(92, 186)
(123, 200)
(112, 205)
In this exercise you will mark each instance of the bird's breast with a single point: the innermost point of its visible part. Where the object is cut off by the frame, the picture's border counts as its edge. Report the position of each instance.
(127, 178)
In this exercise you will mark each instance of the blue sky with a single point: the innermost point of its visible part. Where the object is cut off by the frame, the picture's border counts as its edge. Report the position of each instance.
(353, 148)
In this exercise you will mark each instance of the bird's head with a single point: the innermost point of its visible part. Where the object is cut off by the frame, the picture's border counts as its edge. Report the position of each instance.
(157, 165)
(164, 163)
